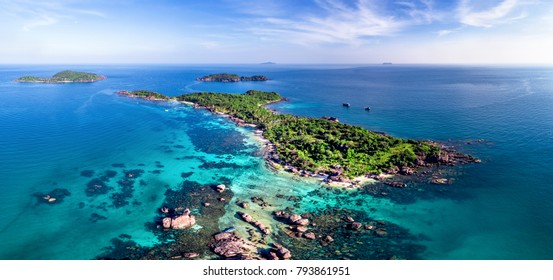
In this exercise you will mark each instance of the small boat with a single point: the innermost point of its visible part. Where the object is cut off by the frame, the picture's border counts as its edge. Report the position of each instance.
(230, 229)
(367, 108)
(346, 104)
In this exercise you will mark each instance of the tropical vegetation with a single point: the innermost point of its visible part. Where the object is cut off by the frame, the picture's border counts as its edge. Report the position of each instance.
(64, 77)
(318, 145)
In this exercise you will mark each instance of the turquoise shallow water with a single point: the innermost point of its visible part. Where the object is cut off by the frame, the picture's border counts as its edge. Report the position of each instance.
(50, 134)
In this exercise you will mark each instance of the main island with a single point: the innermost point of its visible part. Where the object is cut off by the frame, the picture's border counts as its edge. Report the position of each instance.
(320, 147)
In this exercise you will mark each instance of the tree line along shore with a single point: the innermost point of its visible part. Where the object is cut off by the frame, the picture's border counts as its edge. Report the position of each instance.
(66, 76)
(322, 146)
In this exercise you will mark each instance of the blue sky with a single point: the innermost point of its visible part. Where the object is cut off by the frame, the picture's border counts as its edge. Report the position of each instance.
(284, 31)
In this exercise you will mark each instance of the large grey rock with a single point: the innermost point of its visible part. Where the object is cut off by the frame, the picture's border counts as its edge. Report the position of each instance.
(220, 188)
(183, 221)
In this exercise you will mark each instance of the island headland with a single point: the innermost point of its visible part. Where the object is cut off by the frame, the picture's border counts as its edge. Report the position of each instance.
(66, 76)
(231, 78)
(324, 148)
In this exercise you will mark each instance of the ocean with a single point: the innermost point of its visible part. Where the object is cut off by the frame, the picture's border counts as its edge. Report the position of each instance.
(70, 137)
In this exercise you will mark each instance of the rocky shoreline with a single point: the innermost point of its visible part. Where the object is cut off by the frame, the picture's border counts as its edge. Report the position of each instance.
(450, 157)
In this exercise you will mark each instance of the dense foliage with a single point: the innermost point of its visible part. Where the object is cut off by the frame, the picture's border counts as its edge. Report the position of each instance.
(146, 94)
(226, 78)
(73, 76)
(255, 78)
(318, 144)
(64, 76)
(31, 79)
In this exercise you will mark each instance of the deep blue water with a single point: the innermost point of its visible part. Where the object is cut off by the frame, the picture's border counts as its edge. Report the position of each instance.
(50, 133)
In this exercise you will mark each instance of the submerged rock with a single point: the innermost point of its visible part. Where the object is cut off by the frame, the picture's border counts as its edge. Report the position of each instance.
(94, 217)
(300, 229)
(281, 214)
(281, 252)
(87, 173)
(96, 187)
(440, 181)
(246, 217)
(382, 232)
(328, 239)
(309, 235)
(53, 197)
(294, 218)
(355, 225)
(260, 201)
(249, 219)
(191, 255)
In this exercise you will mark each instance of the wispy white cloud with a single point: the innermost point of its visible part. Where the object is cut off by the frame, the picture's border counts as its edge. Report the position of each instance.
(41, 20)
(500, 13)
(266, 8)
(421, 12)
(33, 14)
(337, 22)
(444, 32)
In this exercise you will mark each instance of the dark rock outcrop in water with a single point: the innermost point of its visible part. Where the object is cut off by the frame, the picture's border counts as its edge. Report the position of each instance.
(186, 243)
(96, 187)
(279, 252)
(230, 246)
(346, 234)
(54, 196)
(249, 219)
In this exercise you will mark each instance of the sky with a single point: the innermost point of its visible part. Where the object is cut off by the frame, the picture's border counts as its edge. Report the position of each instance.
(281, 31)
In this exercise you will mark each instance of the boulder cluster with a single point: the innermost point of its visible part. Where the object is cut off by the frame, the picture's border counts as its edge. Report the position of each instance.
(183, 221)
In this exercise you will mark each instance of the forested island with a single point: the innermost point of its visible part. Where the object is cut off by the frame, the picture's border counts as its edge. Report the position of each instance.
(322, 146)
(66, 76)
(231, 78)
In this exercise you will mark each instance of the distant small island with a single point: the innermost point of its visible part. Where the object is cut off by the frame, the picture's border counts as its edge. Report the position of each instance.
(231, 78)
(66, 76)
(268, 62)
